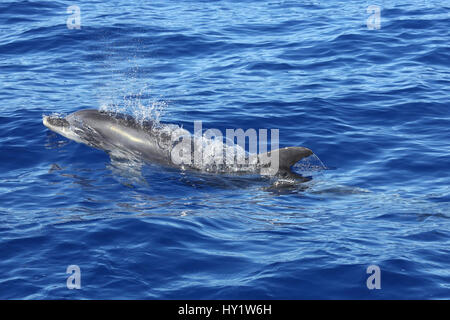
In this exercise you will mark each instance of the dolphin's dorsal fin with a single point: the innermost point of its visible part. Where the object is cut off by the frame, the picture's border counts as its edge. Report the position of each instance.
(286, 158)
(291, 155)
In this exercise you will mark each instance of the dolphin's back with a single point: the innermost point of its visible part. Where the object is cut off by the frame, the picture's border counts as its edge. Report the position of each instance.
(92, 116)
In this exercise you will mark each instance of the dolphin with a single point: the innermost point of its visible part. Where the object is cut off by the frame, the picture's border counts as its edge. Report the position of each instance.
(124, 136)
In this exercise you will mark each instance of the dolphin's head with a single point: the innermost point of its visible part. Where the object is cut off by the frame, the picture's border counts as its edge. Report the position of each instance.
(88, 126)
(87, 117)
(60, 126)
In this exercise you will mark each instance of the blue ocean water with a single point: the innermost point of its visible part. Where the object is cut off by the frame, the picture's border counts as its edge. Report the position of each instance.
(372, 103)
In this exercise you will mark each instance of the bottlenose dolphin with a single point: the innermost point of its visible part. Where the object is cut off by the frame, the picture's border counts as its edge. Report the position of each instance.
(123, 135)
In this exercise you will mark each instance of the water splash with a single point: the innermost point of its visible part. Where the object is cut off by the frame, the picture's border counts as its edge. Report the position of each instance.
(309, 165)
(125, 87)
(133, 105)
(217, 156)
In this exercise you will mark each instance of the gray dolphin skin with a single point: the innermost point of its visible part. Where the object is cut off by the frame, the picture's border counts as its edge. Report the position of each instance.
(122, 135)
